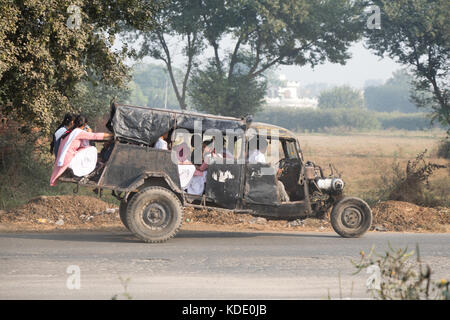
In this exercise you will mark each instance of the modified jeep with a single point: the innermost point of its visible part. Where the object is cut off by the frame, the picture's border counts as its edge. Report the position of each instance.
(146, 180)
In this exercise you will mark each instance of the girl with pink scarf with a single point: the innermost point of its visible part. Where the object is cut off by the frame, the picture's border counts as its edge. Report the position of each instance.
(71, 144)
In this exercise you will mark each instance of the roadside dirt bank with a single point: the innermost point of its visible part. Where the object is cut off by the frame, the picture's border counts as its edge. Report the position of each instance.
(66, 213)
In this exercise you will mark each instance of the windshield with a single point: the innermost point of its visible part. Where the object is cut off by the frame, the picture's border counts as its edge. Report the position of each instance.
(290, 149)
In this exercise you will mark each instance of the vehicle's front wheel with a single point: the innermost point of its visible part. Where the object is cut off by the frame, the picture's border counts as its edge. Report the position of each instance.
(351, 217)
(154, 214)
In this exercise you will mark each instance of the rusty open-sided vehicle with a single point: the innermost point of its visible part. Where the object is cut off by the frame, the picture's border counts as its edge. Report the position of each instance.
(147, 180)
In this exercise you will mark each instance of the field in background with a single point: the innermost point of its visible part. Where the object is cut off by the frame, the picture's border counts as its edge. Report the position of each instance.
(364, 158)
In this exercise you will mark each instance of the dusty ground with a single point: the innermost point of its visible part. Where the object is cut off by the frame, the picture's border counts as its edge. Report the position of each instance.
(88, 213)
(365, 160)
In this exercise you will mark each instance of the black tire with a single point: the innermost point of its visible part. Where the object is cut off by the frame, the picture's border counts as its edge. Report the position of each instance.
(351, 217)
(123, 210)
(154, 214)
(123, 213)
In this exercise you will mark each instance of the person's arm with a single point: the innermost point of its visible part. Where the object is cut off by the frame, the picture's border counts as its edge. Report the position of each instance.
(94, 136)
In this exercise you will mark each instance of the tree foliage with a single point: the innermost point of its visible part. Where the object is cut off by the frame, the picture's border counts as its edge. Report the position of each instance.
(148, 87)
(43, 61)
(394, 95)
(417, 34)
(263, 34)
(340, 98)
(318, 120)
(238, 95)
(177, 25)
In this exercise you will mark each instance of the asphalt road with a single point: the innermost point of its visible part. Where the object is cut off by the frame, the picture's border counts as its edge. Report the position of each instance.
(198, 264)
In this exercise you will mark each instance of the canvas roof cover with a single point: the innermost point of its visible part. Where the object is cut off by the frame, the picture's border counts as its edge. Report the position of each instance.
(146, 125)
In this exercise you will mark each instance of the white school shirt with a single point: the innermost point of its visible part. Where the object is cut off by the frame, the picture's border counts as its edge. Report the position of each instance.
(60, 132)
(257, 157)
(161, 144)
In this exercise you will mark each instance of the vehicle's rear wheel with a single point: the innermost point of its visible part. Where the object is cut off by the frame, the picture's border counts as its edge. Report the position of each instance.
(351, 217)
(123, 213)
(154, 214)
(123, 210)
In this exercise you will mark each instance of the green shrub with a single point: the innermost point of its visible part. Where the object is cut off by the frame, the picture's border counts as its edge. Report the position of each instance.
(444, 149)
(403, 121)
(411, 184)
(312, 120)
(318, 120)
(396, 277)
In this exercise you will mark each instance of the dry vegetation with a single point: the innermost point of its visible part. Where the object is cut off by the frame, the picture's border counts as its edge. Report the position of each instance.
(366, 161)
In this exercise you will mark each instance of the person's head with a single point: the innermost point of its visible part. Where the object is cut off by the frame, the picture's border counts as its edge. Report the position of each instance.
(196, 140)
(252, 144)
(68, 121)
(80, 121)
(207, 145)
(167, 135)
(262, 144)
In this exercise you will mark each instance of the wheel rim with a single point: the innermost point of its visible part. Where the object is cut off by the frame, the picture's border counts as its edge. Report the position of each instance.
(352, 217)
(155, 216)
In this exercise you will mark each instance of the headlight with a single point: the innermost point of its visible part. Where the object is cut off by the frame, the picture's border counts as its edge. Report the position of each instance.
(334, 184)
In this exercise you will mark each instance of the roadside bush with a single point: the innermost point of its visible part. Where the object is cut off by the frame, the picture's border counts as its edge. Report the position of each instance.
(444, 149)
(403, 121)
(24, 173)
(312, 120)
(320, 120)
(395, 277)
(412, 184)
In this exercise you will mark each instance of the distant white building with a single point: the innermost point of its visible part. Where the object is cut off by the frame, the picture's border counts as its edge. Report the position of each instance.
(287, 96)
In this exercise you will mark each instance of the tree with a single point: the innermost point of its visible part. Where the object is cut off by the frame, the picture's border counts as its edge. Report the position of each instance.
(150, 81)
(394, 95)
(93, 98)
(49, 47)
(266, 33)
(416, 33)
(270, 33)
(211, 91)
(177, 23)
(340, 98)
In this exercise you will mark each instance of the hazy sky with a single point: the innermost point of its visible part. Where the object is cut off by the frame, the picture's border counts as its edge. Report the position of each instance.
(363, 66)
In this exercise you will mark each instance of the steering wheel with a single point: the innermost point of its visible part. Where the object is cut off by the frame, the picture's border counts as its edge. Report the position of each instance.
(280, 163)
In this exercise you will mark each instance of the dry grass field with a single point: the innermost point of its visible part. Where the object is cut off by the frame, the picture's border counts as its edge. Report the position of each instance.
(364, 159)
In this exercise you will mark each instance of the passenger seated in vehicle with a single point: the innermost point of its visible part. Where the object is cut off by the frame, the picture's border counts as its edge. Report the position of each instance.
(86, 128)
(66, 125)
(162, 142)
(197, 149)
(108, 146)
(185, 167)
(72, 154)
(257, 156)
(197, 184)
(226, 152)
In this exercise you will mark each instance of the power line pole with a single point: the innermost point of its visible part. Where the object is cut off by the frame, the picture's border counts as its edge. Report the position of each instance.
(165, 98)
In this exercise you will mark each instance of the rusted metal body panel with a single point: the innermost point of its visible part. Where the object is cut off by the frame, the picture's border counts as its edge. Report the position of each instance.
(261, 184)
(224, 185)
(130, 164)
(281, 211)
